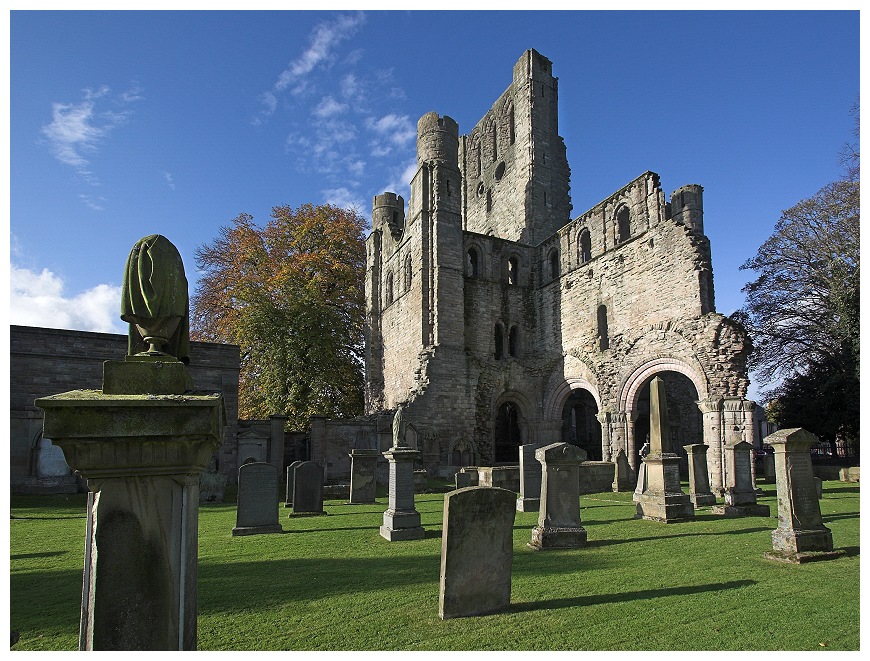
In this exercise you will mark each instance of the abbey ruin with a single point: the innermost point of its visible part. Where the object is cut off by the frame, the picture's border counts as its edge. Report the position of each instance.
(500, 320)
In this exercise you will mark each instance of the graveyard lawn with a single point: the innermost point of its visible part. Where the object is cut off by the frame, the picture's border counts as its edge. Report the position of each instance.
(333, 583)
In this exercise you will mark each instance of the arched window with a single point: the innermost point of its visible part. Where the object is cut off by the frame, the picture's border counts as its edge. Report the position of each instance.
(513, 271)
(475, 156)
(389, 294)
(623, 224)
(499, 341)
(603, 339)
(554, 264)
(409, 272)
(508, 437)
(514, 342)
(584, 247)
(472, 267)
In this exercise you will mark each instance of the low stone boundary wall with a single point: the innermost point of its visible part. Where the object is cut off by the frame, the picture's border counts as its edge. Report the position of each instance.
(596, 476)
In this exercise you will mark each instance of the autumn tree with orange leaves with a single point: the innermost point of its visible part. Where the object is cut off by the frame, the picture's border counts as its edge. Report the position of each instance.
(290, 294)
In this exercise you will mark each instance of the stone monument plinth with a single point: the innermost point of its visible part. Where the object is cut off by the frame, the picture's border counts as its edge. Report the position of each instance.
(559, 516)
(663, 498)
(800, 535)
(401, 520)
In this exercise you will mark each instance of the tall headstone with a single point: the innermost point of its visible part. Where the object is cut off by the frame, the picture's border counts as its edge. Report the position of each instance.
(699, 478)
(363, 478)
(308, 488)
(641, 485)
(769, 464)
(288, 493)
(257, 507)
(559, 516)
(621, 472)
(663, 499)
(401, 520)
(531, 476)
(740, 498)
(476, 552)
(800, 536)
(141, 443)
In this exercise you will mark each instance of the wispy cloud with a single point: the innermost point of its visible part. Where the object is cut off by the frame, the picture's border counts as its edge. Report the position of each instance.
(169, 180)
(391, 131)
(38, 299)
(77, 129)
(329, 107)
(324, 40)
(345, 198)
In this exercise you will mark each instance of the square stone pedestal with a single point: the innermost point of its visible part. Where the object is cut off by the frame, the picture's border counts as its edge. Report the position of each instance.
(663, 499)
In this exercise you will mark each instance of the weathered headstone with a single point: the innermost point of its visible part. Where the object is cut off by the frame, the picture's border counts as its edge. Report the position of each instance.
(420, 481)
(288, 494)
(503, 477)
(476, 552)
(363, 465)
(530, 479)
(462, 480)
(308, 488)
(800, 535)
(740, 499)
(818, 486)
(141, 443)
(257, 508)
(769, 464)
(401, 520)
(641, 474)
(663, 499)
(699, 478)
(559, 516)
(621, 472)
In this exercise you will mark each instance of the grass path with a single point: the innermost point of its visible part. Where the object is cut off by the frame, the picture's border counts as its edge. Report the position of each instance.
(332, 583)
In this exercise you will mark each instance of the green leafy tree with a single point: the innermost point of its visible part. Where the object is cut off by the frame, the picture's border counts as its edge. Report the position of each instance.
(802, 311)
(290, 294)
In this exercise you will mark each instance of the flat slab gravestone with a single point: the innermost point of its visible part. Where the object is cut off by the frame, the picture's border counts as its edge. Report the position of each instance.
(288, 494)
(257, 507)
(476, 551)
(308, 488)
(621, 472)
(699, 477)
(800, 536)
(531, 476)
(363, 468)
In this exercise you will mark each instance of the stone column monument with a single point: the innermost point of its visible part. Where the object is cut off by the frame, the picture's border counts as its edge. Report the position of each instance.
(401, 520)
(699, 479)
(800, 535)
(663, 499)
(559, 517)
(141, 442)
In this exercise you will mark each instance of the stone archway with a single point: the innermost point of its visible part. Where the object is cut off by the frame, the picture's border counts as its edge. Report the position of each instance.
(580, 424)
(510, 427)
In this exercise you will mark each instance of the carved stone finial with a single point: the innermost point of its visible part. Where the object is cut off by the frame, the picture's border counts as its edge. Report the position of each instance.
(154, 300)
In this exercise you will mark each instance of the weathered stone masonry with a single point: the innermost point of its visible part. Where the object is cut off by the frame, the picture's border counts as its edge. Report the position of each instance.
(499, 320)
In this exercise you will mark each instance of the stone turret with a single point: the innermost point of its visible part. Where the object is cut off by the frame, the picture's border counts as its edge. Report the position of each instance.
(437, 139)
(687, 207)
(388, 212)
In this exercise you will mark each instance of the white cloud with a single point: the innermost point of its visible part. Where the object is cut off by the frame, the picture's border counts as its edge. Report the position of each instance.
(94, 202)
(77, 129)
(169, 181)
(329, 107)
(324, 40)
(392, 131)
(37, 299)
(344, 198)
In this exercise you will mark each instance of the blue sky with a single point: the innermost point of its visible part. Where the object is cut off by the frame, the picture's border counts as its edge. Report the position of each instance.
(124, 124)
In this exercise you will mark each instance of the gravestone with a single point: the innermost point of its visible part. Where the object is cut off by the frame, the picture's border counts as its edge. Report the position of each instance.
(818, 486)
(476, 552)
(663, 499)
(641, 474)
(141, 443)
(308, 488)
(800, 535)
(401, 520)
(699, 478)
(420, 481)
(769, 464)
(740, 498)
(559, 516)
(363, 466)
(462, 480)
(621, 472)
(257, 508)
(530, 479)
(288, 494)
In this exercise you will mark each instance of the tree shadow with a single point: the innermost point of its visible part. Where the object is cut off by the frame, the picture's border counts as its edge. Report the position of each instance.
(618, 597)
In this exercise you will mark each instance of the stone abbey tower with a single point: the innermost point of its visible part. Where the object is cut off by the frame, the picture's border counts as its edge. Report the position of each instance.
(500, 320)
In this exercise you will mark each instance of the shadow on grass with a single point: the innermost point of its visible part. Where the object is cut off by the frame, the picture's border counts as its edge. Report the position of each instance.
(307, 530)
(631, 540)
(852, 551)
(618, 597)
(47, 518)
(45, 554)
(829, 517)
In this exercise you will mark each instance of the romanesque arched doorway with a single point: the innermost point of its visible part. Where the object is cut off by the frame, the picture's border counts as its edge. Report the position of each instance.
(684, 417)
(508, 435)
(580, 425)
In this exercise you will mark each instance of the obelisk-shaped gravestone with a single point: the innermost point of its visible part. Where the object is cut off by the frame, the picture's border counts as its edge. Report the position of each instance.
(699, 477)
(800, 535)
(663, 500)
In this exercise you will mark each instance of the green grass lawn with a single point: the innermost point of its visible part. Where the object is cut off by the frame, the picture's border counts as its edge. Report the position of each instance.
(332, 583)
